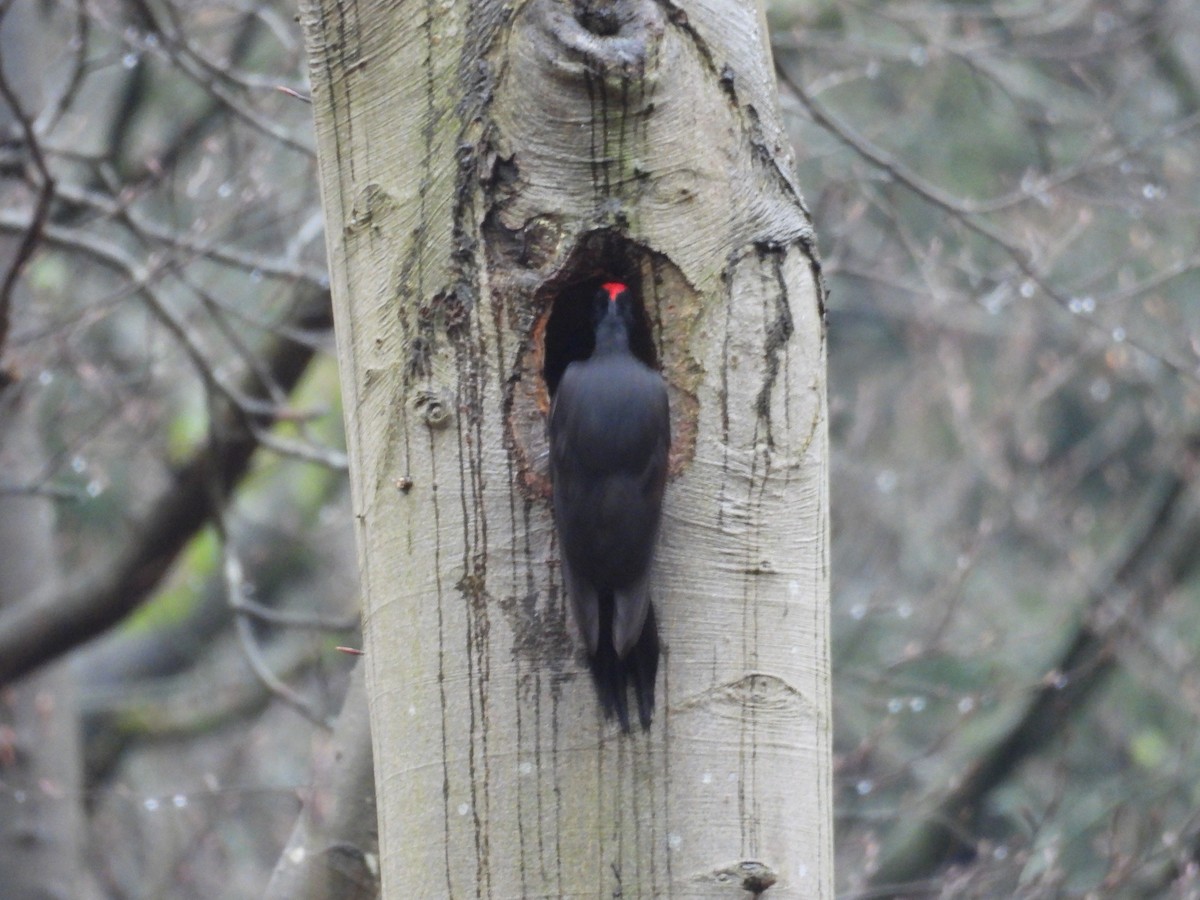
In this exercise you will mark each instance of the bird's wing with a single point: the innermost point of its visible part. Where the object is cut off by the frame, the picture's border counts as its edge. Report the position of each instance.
(632, 603)
(584, 601)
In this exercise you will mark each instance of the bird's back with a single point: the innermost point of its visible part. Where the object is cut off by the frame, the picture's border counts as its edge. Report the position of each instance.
(609, 432)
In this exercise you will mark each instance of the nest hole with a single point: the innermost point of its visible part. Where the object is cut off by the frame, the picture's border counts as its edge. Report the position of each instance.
(570, 334)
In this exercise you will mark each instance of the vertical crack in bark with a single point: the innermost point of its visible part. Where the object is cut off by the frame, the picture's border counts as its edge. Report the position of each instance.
(441, 673)
(349, 39)
(460, 316)
(779, 330)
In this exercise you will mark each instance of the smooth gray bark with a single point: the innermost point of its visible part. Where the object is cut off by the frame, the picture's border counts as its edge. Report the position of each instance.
(476, 160)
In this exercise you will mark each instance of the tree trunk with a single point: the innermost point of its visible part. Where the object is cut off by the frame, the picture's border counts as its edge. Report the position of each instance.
(333, 851)
(480, 162)
(41, 812)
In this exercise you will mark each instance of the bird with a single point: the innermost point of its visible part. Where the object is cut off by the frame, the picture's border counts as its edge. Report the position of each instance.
(610, 434)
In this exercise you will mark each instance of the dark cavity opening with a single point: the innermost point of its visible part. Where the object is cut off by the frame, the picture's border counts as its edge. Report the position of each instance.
(569, 334)
(598, 16)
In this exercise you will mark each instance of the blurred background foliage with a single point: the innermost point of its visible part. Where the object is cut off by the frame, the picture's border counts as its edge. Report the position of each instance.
(1006, 198)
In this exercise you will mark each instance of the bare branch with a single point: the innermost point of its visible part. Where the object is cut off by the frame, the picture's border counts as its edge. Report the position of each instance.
(1152, 565)
(235, 589)
(961, 211)
(33, 633)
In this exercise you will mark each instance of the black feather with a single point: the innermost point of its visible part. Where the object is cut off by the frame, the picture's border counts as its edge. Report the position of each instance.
(613, 675)
(610, 432)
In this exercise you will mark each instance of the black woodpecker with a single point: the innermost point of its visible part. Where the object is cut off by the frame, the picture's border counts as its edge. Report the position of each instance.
(610, 429)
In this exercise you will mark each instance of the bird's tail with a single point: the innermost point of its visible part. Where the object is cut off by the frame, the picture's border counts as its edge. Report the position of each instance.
(613, 675)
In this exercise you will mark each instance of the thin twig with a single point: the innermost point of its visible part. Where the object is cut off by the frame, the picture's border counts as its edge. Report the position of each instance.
(289, 619)
(931, 193)
(235, 590)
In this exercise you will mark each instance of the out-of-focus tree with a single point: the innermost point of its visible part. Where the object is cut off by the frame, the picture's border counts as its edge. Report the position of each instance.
(1005, 194)
(163, 313)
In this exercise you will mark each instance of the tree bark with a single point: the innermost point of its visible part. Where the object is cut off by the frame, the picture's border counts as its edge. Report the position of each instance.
(479, 162)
